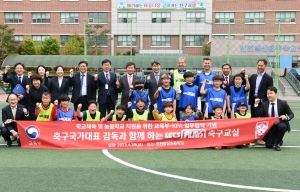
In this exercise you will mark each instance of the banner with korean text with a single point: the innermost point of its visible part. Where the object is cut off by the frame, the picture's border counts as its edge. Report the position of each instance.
(142, 134)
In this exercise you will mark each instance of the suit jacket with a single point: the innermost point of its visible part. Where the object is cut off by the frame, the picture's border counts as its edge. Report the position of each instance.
(76, 84)
(124, 88)
(57, 91)
(13, 80)
(282, 108)
(152, 86)
(230, 83)
(112, 87)
(266, 81)
(7, 114)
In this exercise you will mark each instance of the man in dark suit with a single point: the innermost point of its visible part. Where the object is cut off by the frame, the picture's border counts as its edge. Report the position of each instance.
(258, 85)
(227, 80)
(19, 78)
(84, 88)
(10, 114)
(127, 83)
(275, 108)
(153, 81)
(107, 83)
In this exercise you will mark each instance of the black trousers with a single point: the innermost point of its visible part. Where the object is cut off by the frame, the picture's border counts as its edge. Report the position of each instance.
(81, 100)
(6, 134)
(151, 108)
(107, 106)
(275, 134)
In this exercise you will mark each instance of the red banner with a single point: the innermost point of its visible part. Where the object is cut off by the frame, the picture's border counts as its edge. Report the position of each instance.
(142, 134)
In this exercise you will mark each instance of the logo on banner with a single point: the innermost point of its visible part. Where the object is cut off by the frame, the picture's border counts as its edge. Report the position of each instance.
(32, 132)
(261, 128)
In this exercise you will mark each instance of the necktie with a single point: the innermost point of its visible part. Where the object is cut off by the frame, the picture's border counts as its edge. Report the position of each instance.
(19, 78)
(81, 84)
(226, 79)
(156, 78)
(129, 81)
(273, 110)
(14, 112)
(107, 78)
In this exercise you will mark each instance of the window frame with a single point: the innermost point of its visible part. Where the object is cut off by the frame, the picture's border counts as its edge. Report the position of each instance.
(159, 43)
(41, 17)
(194, 41)
(14, 13)
(126, 19)
(195, 19)
(127, 41)
(99, 40)
(69, 17)
(255, 19)
(219, 20)
(43, 37)
(105, 21)
(286, 20)
(253, 37)
(284, 36)
(156, 19)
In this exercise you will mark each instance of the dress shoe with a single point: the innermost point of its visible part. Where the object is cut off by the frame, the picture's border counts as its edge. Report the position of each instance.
(8, 144)
(19, 143)
(277, 148)
(13, 138)
(218, 148)
(261, 142)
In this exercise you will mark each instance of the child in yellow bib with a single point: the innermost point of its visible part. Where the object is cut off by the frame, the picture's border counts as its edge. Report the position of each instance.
(167, 115)
(46, 111)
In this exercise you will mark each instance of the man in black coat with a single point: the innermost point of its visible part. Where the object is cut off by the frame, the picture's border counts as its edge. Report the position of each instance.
(10, 114)
(127, 83)
(19, 78)
(106, 82)
(153, 81)
(84, 88)
(259, 83)
(275, 108)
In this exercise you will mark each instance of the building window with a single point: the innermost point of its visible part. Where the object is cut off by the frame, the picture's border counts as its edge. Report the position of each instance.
(69, 17)
(39, 38)
(126, 40)
(64, 39)
(286, 17)
(255, 37)
(224, 18)
(126, 17)
(40, 17)
(19, 38)
(286, 38)
(13, 17)
(101, 41)
(224, 36)
(161, 40)
(195, 17)
(161, 17)
(97, 17)
(258, 17)
(194, 40)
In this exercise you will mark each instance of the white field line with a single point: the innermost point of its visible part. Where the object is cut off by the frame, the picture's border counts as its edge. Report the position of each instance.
(105, 152)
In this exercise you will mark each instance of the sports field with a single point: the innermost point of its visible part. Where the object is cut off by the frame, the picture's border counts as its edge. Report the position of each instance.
(255, 169)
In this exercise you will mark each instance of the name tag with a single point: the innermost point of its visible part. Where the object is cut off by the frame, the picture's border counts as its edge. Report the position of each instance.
(106, 86)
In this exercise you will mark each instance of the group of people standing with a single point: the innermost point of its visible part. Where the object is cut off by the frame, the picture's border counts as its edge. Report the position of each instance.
(177, 95)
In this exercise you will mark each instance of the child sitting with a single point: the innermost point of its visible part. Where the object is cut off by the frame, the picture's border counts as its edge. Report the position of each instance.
(138, 114)
(46, 111)
(120, 116)
(190, 115)
(167, 115)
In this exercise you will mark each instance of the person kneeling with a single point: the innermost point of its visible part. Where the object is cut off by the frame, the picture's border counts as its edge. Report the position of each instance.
(167, 115)
(138, 114)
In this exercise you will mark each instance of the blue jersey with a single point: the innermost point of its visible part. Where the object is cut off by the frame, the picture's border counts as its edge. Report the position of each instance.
(165, 97)
(190, 118)
(214, 98)
(137, 95)
(65, 116)
(203, 77)
(188, 96)
(236, 97)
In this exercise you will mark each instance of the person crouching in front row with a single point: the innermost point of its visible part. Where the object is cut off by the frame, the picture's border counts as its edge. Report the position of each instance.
(92, 114)
(46, 111)
(64, 112)
(168, 115)
(138, 114)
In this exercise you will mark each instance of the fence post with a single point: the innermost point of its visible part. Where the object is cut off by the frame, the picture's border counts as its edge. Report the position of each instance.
(277, 56)
(228, 44)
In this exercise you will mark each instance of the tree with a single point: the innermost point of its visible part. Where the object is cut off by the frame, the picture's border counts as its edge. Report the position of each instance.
(205, 49)
(7, 42)
(28, 48)
(50, 46)
(74, 45)
(96, 37)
